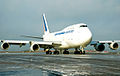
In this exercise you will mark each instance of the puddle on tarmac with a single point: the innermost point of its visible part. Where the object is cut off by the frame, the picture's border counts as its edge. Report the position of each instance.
(29, 72)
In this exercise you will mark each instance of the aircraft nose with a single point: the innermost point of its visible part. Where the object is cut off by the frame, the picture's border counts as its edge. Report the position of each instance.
(88, 36)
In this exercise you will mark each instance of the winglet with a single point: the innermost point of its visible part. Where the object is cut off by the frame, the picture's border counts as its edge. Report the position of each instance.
(45, 26)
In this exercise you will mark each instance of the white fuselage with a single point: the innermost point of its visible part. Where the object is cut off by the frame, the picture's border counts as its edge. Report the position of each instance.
(74, 36)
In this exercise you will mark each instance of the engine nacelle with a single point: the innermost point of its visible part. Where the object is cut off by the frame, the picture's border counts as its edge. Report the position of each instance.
(99, 47)
(114, 46)
(5, 46)
(34, 47)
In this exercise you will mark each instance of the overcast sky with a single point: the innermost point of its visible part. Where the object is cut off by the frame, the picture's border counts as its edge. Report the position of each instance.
(24, 17)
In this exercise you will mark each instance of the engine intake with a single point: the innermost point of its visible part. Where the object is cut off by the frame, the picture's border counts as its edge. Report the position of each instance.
(99, 47)
(34, 47)
(5, 46)
(114, 46)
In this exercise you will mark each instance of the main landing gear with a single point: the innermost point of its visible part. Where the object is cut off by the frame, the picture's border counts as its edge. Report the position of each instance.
(81, 51)
(66, 52)
(56, 52)
(48, 51)
(76, 51)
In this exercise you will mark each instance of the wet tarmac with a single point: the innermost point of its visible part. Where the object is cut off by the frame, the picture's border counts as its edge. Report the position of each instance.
(36, 64)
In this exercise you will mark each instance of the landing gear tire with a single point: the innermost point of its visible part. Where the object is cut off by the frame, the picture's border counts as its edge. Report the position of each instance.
(56, 52)
(48, 52)
(66, 52)
(76, 52)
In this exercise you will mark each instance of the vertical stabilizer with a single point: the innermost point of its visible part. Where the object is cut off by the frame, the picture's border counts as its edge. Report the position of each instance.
(45, 26)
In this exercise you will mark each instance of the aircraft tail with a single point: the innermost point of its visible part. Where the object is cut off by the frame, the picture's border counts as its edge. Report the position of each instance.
(45, 26)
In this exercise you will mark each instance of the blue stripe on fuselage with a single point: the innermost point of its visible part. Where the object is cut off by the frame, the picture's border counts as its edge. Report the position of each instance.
(60, 33)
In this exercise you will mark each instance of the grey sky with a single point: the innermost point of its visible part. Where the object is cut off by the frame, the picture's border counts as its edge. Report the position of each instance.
(23, 17)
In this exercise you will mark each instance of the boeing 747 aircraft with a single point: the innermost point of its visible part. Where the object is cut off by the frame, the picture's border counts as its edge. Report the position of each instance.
(76, 36)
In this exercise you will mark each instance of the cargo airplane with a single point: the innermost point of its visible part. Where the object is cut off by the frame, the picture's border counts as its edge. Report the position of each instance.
(76, 36)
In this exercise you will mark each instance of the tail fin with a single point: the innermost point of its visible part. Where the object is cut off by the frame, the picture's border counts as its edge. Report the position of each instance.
(45, 26)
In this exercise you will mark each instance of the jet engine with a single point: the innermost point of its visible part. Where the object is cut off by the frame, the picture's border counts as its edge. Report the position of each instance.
(114, 46)
(34, 47)
(99, 47)
(5, 46)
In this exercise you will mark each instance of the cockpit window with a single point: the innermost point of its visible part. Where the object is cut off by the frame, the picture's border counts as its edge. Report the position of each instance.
(83, 26)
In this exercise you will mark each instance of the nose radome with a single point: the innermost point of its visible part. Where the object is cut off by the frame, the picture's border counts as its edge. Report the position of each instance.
(88, 36)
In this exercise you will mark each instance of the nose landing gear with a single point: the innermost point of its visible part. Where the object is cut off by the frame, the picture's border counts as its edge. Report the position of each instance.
(82, 51)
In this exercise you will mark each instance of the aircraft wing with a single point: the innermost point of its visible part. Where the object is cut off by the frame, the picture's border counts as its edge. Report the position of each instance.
(14, 42)
(34, 45)
(36, 37)
(103, 42)
(99, 45)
